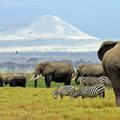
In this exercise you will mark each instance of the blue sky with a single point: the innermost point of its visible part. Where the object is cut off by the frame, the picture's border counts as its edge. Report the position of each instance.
(100, 18)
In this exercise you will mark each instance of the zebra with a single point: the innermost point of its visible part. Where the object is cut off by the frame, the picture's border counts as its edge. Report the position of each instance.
(88, 81)
(105, 80)
(89, 91)
(63, 90)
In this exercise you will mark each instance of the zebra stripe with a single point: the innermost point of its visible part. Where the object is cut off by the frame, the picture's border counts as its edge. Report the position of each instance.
(89, 91)
(63, 90)
(106, 81)
(88, 81)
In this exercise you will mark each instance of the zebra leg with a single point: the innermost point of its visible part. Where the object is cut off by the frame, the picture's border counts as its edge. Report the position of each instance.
(61, 95)
(102, 94)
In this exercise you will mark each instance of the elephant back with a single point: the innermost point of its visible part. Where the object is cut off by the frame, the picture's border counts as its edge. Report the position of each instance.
(95, 70)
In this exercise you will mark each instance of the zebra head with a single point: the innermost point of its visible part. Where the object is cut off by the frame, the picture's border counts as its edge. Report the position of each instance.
(55, 93)
(76, 93)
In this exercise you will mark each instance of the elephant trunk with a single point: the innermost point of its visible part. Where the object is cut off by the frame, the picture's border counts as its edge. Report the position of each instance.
(76, 77)
(76, 81)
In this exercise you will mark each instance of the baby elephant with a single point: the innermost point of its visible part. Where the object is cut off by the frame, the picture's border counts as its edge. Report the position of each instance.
(15, 80)
(63, 90)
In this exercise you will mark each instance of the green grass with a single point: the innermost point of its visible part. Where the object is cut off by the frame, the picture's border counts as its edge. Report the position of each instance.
(38, 104)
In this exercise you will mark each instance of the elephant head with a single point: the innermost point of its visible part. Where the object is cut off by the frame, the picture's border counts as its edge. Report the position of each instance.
(77, 74)
(107, 45)
(43, 69)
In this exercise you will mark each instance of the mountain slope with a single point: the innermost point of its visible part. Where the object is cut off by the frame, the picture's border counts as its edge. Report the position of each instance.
(48, 33)
(48, 27)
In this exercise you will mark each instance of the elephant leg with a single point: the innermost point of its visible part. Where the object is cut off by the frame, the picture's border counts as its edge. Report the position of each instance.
(102, 94)
(35, 83)
(68, 80)
(115, 79)
(48, 80)
(12, 83)
(23, 85)
(83, 97)
(1, 83)
(117, 94)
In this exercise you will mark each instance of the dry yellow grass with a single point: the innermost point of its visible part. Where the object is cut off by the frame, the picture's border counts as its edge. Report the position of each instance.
(38, 104)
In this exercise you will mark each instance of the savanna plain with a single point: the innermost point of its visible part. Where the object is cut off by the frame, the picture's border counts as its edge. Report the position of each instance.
(31, 103)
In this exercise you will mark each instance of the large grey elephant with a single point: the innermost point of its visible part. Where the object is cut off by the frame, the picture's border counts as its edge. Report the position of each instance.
(109, 54)
(95, 70)
(15, 80)
(54, 71)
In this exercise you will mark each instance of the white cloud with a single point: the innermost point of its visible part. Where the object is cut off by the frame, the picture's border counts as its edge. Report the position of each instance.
(46, 48)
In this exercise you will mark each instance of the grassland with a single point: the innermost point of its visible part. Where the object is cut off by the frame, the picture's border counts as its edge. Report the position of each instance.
(38, 104)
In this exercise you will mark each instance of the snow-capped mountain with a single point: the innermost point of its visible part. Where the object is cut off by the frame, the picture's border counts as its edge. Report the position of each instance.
(48, 33)
(48, 27)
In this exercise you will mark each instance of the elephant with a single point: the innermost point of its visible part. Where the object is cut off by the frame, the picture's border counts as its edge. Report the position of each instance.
(109, 54)
(54, 71)
(1, 81)
(95, 70)
(15, 80)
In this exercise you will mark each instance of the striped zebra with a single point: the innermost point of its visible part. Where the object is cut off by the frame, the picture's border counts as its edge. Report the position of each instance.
(63, 90)
(89, 91)
(88, 81)
(105, 80)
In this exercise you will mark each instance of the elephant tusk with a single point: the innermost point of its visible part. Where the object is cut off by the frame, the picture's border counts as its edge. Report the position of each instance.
(38, 76)
(74, 77)
(32, 77)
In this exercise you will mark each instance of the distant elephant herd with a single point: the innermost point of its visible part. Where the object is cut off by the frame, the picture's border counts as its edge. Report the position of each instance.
(61, 72)
(13, 80)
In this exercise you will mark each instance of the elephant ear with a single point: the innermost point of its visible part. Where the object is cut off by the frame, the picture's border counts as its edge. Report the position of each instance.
(48, 70)
(107, 45)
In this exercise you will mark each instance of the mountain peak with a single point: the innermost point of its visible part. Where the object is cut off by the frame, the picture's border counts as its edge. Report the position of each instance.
(48, 27)
(53, 27)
